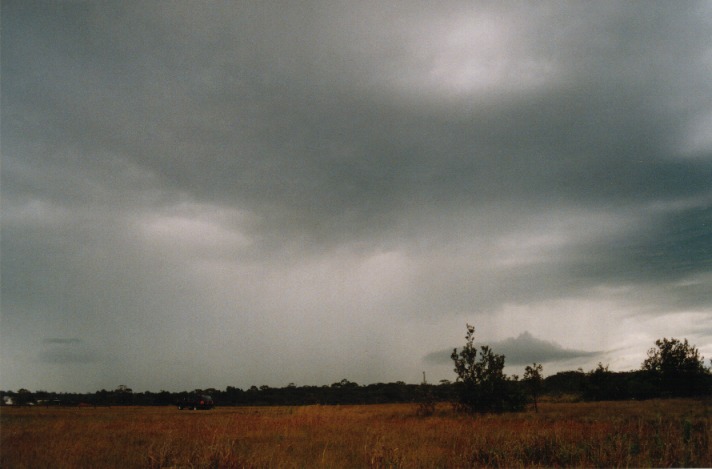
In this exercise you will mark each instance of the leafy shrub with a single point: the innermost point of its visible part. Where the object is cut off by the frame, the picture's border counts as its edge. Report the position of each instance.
(484, 386)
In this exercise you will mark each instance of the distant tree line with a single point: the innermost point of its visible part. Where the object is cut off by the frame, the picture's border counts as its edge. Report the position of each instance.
(342, 392)
(673, 368)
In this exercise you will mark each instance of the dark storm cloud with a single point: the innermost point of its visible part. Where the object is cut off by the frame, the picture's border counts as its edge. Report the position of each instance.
(284, 125)
(671, 246)
(522, 350)
(162, 162)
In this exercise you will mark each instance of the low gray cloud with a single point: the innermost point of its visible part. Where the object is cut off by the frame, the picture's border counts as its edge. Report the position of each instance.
(66, 351)
(523, 350)
(58, 340)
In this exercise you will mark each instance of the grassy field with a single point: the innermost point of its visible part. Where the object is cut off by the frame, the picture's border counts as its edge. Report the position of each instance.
(655, 433)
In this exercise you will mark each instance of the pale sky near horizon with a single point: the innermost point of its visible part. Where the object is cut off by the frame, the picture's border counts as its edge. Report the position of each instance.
(212, 194)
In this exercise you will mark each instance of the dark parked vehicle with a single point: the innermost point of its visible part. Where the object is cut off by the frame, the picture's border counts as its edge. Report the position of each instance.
(197, 402)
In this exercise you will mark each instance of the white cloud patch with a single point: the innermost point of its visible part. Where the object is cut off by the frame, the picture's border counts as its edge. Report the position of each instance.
(195, 227)
(698, 141)
(481, 53)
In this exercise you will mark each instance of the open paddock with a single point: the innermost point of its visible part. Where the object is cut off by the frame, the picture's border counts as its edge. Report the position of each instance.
(648, 433)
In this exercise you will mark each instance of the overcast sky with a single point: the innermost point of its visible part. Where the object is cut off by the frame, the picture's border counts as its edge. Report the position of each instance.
(245, 193)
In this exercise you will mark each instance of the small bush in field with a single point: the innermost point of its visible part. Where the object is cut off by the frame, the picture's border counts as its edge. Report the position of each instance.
(534, 382)
(485, 387)
(426, 402)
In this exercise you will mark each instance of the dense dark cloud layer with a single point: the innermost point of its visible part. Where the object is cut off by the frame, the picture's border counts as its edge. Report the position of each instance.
(302, 192)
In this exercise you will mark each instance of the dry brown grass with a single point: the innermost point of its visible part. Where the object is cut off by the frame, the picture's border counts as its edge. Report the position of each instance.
(611, 434)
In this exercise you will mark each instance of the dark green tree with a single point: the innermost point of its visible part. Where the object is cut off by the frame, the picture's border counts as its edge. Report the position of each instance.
(534, 382)
(600, 385)
(677, 368)
(484, 386)
(24, 397)
(123, 395)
